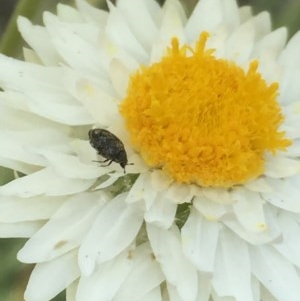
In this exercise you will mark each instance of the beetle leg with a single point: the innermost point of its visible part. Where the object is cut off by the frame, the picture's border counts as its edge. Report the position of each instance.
(110, 161)
(100, 161)
(104, 161)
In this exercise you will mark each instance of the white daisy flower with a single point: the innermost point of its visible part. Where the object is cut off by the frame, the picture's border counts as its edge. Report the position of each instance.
(207, 112)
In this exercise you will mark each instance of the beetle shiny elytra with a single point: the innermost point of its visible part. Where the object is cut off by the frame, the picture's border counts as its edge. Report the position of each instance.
(109, 147)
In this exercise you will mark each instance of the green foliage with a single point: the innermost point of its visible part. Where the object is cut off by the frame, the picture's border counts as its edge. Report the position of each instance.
(14, 275)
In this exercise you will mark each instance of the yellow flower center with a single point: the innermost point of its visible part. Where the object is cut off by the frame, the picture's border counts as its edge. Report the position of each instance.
(201, 119)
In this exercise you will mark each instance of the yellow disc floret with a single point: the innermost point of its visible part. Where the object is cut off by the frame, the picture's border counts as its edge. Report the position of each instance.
(201, 119)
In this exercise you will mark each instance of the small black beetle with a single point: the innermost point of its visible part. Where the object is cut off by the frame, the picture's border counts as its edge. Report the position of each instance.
(108, 146)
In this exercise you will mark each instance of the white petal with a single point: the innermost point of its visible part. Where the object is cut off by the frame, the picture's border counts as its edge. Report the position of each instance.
(232, 261)
(45, 95)
(289, 57)
(109, 50)
(46, 181)
(160, 181)
(218, 195)
(31, 56)
(272, 43)
(292, 111)
(69, 14)
(172, 25)
(177, 269)
(99, 104)
(281, 167)
(291, 131)
(119, 75)
(275, 273)
(173, 21)
(64, 231)
(204, 290)
(289, 87)
(217, 41)
(144, 276)
(199, 241)
(106, 280)
(91, 14)
(231, 18)
(162, 212)
(16, 146)
(19, 102)
(258, 185)
(71, 291)
(178, 193)
(249, 210)
(154, 295)
(110, 181)
(288, 246)
(119, 31)
(173, 294)
(210, 210)
(35, 138)
(39, 40)
(173, 9)
(21, 76)
(82, 149)
(50, 278)
(17, 166)
(267, 51)
(294, 149)
(64, 113)
(206, 16)
(262, 23)
(82, 54)
(271, 232)
(22, 229)
(141, 190)
(265, 295)
(245, 13)
(117, 225)
(140, 20)
(285, 194)
(71, 167)
(21, 125)
(240, 44)
(13, 209)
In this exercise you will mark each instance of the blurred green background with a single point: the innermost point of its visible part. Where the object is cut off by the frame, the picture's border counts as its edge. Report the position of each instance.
(13, 274)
